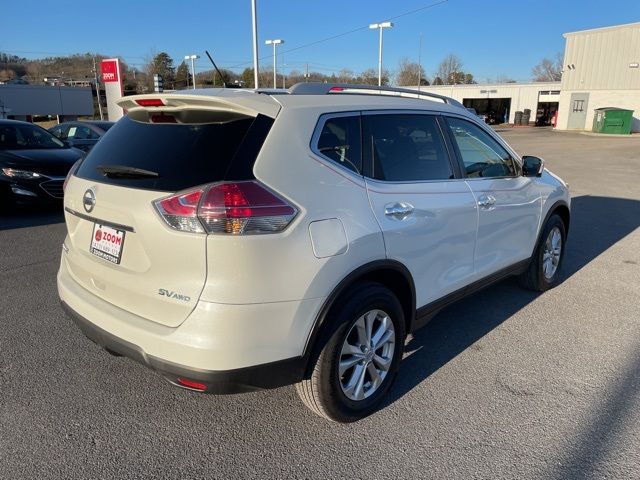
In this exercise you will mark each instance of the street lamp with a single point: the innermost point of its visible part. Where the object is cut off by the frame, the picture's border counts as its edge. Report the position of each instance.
(274, 43)
(193, 68)
(380, 26)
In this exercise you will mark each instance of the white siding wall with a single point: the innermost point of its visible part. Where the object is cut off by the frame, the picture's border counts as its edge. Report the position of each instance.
(629, 99)
(601, 59)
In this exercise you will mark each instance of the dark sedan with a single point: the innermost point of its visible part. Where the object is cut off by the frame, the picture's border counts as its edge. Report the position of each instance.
(82, 135)
(33, 164)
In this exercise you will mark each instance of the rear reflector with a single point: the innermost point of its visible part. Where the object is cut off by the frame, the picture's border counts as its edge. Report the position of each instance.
(150, 102)
(185, 382)
(234, 208)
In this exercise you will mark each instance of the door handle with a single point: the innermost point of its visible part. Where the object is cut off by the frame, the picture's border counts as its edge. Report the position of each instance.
(486, 201)
(399, 210)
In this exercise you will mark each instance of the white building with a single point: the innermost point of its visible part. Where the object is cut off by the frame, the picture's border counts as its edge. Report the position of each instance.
(601, 69)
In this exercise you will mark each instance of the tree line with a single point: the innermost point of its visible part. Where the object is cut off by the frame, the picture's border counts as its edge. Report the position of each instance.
(450, 71)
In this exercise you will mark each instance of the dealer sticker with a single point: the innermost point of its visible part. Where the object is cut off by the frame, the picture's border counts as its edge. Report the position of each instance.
(107, 242)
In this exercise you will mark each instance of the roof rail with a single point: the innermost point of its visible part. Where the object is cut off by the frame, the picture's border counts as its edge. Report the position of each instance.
(316, 88)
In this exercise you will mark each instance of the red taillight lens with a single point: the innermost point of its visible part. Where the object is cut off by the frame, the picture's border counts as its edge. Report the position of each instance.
(244, 207)
(180, 211)
(234, 208)
(185, 382)
(150, 102)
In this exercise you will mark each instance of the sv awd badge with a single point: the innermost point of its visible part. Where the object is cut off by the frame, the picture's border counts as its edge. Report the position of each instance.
(172, 294)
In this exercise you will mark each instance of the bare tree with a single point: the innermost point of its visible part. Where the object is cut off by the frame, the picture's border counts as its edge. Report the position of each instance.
(448, 67)
(370, 77)
(410, 73)
(548, 70)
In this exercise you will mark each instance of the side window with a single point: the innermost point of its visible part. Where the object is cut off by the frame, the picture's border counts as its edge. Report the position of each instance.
(482, 155)
(59, 132)
(339, 141)
(80, 133)
(405, 148)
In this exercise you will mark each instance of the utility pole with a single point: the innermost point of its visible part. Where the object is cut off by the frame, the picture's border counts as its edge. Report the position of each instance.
(95, 76)
(420, 63)
(254, 24)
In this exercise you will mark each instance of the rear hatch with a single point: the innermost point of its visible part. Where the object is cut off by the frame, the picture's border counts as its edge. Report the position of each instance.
(120, 248)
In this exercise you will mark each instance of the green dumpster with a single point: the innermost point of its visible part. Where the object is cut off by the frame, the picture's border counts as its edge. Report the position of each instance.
(612, 120)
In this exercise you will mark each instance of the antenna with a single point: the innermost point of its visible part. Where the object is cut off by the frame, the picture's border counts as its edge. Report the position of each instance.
(222, 77)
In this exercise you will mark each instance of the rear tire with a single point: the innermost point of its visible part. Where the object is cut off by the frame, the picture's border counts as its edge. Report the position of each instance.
(544, 270)
(358, 359)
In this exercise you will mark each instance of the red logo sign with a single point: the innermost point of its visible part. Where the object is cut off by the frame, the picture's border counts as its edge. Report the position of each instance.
(109, 71)
(98, 235)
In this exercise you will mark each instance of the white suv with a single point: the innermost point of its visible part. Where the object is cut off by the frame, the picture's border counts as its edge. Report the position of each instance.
(235, 240)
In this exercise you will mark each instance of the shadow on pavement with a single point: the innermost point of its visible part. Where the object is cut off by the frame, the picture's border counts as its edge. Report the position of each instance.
(597, 223)
(23, 217)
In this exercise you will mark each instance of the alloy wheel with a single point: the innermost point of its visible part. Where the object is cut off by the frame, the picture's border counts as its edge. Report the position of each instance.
(366, 355)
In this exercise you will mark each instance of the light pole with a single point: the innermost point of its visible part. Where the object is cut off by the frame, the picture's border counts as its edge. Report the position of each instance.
(193, 58)
(274, 43)
(380, 26)
(254, 28)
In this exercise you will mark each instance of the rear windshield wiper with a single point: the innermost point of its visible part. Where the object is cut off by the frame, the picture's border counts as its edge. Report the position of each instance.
(120, 171)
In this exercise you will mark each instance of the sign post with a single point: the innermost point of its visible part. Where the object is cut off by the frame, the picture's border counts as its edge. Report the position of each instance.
(112, 79)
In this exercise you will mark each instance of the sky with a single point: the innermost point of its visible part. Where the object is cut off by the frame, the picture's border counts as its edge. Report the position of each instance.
(492, 37)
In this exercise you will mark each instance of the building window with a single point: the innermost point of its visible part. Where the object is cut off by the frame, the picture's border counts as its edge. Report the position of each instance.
(578, 105)
(555, 92)
(544, 92)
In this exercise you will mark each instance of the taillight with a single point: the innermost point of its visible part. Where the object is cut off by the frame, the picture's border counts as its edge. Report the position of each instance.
(72, 170)
(234, 208)
(180, 211)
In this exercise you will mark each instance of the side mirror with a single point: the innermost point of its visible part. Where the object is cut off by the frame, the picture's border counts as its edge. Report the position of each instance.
(532, 166)
(68, 143)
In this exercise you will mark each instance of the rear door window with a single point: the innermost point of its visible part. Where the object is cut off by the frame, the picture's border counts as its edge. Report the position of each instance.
(183, 155)
(405, 148)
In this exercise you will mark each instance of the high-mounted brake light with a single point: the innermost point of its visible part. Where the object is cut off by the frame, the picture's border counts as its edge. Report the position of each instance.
(336, 89)
(150, 102)
(235, 208)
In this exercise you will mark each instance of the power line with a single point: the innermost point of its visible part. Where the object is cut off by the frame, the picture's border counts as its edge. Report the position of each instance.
(333, 37)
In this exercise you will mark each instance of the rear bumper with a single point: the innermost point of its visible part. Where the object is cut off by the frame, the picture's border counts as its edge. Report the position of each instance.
(259, 377)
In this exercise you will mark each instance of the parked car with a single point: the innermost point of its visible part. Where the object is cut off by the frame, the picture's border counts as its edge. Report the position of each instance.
(33, 164)
(83, 135)
(244, 240)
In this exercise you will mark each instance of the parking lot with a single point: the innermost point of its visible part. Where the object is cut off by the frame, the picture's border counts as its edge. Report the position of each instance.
(505, 384)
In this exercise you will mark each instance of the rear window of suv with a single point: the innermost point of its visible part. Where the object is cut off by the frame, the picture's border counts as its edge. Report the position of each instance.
(183, 155)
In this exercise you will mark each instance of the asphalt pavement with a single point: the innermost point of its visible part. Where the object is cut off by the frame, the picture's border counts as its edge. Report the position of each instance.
(506, 384)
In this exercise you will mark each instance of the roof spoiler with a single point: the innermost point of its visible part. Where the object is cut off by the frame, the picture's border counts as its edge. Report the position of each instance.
(196, 107)
(316, 88)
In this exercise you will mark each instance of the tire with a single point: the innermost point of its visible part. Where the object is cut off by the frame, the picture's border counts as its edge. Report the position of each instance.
(326, 391)
(536, 277)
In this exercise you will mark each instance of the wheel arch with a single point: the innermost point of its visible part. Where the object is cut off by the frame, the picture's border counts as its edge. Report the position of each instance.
(561, 208)
(389, 273)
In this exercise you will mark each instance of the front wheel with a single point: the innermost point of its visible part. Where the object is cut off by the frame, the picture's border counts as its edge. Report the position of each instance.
(543, 271)
(356, 367)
